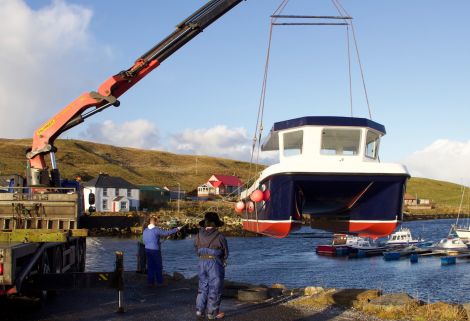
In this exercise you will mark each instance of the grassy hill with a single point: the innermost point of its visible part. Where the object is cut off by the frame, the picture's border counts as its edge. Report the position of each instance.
(440, 192)
(86, 159)
(446, 196)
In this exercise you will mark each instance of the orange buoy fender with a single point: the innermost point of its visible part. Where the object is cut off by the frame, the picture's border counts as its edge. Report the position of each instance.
(239, 206)
(267, 195)
(257, 196)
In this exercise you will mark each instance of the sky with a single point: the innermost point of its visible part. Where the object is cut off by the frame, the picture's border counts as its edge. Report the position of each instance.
(204, 99)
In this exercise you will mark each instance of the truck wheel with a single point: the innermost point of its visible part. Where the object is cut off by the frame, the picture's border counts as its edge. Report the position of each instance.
(43, 295)
(57, 260)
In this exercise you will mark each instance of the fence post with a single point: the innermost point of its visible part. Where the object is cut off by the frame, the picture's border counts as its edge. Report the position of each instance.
(120, 280)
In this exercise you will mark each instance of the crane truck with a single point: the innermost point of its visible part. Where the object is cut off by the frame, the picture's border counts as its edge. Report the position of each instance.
(40, 235)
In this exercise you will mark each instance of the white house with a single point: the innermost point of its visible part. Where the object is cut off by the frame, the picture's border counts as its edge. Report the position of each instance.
(112, 194)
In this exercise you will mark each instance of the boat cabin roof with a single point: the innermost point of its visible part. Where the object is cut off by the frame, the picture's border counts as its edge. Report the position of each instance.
(328, 121)
(271, 142)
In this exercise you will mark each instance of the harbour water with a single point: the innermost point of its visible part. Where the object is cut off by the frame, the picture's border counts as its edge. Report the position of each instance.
(293, 262)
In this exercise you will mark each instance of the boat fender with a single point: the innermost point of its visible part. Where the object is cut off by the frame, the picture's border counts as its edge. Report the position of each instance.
(239, 206)
(257, 196)
(251, 206)
(267, 195)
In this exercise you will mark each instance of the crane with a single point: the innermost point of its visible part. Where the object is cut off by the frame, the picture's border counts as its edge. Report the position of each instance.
(110, 90)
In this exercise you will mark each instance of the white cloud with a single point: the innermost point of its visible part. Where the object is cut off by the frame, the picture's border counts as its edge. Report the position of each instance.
(39, 49)
(138, 133)
(219, 141)
(443, 160)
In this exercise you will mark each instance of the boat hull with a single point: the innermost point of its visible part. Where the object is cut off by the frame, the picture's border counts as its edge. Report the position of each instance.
(363, 204)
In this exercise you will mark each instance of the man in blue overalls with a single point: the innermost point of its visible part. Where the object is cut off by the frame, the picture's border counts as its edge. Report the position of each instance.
(211, 247)
(151, 238)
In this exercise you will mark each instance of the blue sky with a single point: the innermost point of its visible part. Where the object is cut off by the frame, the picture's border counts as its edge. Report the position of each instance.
(204, 98)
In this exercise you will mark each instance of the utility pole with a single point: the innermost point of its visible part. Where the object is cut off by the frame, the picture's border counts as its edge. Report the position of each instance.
(179, 193)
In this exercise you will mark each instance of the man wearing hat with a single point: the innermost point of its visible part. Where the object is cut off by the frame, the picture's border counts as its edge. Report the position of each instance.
(212, 250)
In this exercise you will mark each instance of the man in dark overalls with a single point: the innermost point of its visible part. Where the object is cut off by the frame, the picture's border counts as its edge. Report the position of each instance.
(212, 250)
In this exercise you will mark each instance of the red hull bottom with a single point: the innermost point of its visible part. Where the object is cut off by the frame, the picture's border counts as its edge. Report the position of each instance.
(277, 229)
(372, 229)
(280, 229)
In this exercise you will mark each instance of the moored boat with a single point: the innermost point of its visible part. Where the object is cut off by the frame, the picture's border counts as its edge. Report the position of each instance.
(339, 245)
(402, 237)
(463, 232)
(329, 169)
(450, 245)
(366, 247)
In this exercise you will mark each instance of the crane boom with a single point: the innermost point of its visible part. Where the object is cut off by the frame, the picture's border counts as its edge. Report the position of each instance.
(108, 92)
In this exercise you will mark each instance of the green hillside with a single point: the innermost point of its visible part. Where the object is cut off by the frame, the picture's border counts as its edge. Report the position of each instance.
(446, 196)
(440, 192)
(86, 159)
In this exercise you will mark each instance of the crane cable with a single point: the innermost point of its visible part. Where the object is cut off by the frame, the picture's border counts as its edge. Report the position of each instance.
(343, 12)
(349, 72)
(256, 145)
(259, 119)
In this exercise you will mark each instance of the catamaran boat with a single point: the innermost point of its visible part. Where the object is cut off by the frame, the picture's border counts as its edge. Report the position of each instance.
(402, 237)
(329, 169)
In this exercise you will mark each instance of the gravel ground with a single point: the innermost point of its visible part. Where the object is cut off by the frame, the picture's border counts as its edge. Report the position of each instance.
(176, 302)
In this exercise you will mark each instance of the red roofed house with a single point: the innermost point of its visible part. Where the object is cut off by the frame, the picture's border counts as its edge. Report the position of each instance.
(220, 185)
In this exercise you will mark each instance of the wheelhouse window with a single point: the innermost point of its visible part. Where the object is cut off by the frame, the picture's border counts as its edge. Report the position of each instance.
(340, 141)
(293, 143)
(372, 144)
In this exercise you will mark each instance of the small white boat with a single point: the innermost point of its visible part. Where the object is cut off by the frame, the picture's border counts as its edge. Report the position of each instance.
(450, 245)
(402, 237)
(462, 232)
(366, 247)
(345, 239)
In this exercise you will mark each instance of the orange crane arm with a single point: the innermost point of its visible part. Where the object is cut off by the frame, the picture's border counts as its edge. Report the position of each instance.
(108, 93)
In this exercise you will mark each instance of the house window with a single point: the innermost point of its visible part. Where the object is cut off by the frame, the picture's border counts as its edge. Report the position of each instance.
(105, 192)
(116, 191)
(372, 144)
(123, 205)
(340, 142)
(105, 204)
(293, 143)
(129, 192)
